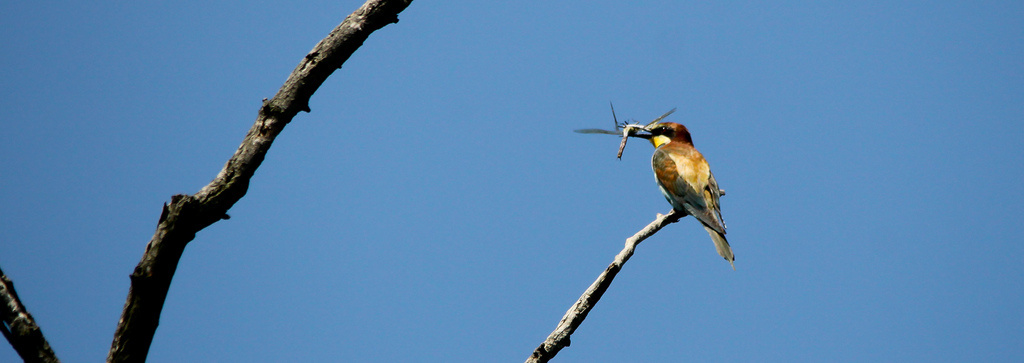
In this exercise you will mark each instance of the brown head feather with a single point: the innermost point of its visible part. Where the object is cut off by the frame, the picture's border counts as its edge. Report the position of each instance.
(673, 131)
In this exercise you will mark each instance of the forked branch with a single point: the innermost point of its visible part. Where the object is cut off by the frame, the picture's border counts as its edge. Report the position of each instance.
(187, 214)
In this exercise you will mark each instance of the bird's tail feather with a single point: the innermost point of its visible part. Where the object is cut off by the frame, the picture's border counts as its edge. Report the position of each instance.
(722, 246)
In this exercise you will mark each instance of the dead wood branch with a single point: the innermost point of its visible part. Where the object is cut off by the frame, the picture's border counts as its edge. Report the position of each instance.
(186, 215)
(559, 338)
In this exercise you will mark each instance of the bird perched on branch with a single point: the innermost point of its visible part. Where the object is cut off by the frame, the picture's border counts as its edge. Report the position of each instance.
(686, 181)
(682, 174)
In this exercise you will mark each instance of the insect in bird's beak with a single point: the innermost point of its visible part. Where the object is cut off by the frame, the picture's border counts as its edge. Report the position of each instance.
(627, 130)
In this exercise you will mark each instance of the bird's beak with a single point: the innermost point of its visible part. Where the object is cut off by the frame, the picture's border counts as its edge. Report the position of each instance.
(645, 135)
(636, 131)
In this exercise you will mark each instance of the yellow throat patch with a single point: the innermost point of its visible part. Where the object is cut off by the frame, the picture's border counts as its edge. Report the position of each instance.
(659, 140)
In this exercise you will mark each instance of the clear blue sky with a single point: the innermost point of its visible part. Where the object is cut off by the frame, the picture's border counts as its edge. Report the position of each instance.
(436, 207)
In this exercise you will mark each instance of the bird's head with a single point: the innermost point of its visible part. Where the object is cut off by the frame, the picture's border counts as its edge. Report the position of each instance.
(663, 133)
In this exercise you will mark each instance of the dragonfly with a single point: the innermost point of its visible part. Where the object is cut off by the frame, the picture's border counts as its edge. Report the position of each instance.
(626, 129)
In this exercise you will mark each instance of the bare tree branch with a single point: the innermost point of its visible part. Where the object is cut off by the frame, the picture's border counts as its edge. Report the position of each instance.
(20, 328)
(559, 338)
(187, 214)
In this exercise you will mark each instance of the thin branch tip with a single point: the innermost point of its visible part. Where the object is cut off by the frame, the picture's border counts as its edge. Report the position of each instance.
(559, 338)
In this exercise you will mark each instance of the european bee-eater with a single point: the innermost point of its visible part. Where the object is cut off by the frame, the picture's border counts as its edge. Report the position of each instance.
(686, 181)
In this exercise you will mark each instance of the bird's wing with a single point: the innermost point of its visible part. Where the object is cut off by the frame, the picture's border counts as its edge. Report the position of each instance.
(684, 195)
(712, 195)
(667, 173)
(684, 177)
